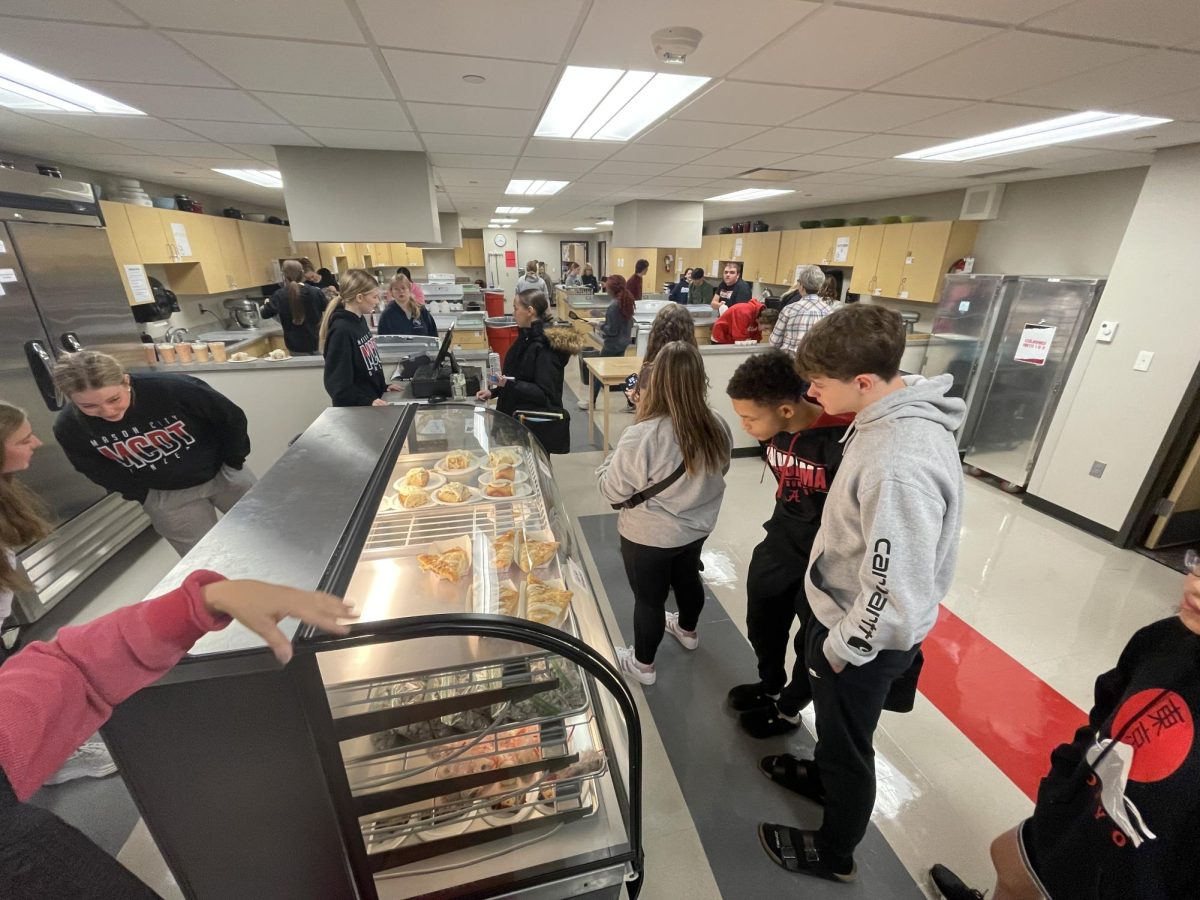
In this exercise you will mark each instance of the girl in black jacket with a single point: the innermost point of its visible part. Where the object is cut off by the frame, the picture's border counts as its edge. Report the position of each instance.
(532, 375)
(353, 369)
(299, 305)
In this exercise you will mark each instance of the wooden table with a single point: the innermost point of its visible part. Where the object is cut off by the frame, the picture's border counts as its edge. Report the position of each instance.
(609, 371)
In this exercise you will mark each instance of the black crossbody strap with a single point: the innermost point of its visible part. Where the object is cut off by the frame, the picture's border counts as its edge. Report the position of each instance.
(654, 490)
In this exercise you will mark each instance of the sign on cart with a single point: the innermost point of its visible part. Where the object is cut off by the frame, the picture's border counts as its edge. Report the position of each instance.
(1034, 348)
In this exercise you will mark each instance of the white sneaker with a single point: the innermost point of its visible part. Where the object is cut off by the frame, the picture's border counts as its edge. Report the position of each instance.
(689, 639)
(89, 761)
(585, 403)
(629, 666)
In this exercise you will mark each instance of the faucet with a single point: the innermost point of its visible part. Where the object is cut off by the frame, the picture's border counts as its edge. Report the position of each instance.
(205, 311)
(177, 335)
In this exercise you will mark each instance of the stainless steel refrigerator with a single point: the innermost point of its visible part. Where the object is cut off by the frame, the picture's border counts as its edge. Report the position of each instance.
(1040, 324)
(59, 291)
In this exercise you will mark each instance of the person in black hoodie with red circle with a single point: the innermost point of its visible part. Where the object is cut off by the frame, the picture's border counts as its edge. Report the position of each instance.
(353, 369)
(1117, 814)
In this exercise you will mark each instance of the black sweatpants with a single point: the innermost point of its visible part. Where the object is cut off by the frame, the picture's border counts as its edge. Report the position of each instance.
(654, 572)
(774, 600)
(848, 705)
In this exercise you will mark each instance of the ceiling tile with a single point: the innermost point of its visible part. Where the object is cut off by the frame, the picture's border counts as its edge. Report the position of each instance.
(675, 181)
(617, 32)
(520, 85)
(167, 101)
(1010, 62)
(876, 112)
(1117, 87)
(246, 133)
(467, 143)
(881, 146)
(1168, 23)
(644, 169)
(885, 44)
(919, 167)
(470, 177)
(555, 166)
(337, 112)
(681, 133)
(282, 18)
(980, 118)
(564, 149)
(1181, 105)
(78, 10)
(796, 140)
(471, 119)
(108, 162)
(474, 26)
(473, 161)
(744, 159)
(817, 162)
(1010, 11)
(756, 104)
(1169, 135)
(122, 127)
(361, 139)
(55, 143)
(103, 53)
(258, 151)
(291, 66)
(694, 170)
(198, 147)
(655, 153)
(610, 179)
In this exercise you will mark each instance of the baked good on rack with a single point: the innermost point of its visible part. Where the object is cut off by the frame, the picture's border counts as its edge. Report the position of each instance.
(535, 554)
(413, 498)
(545, 603)
(510, 600)
(457, 461)
(453, 492)
(417, 477)
(503, 458)
(498, 489)
(503, 549)
(504, 473)
(449, 566)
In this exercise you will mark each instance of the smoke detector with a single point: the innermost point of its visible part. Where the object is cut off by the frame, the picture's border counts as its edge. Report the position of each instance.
(672, 45)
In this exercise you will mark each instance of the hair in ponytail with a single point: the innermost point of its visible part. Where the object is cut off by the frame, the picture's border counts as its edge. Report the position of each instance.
(293, 274)
(354, 284)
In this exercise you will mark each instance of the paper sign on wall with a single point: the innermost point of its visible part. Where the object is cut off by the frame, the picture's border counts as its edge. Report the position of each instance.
(139, 284)
(510, 259)
(1034, 348)
(841, 252)
(7, 275)
(182, 245)
(2, 250)
(737, 246)
(716, 268)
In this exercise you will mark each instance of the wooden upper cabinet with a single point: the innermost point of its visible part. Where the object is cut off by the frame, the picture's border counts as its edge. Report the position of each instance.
(784, 265)
(416, 257)
(149, 233)
(932, 248)
(233, 255)
(470, 254)
(831, 252)
(309, 250)
(866, 258)
(725, 247)
(120, 239)
(890, 271)
(760, 256)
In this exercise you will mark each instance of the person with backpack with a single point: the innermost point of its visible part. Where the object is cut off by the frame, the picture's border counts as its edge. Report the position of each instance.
(667, 477)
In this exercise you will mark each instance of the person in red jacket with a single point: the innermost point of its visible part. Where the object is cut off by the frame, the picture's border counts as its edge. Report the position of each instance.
(743, 322)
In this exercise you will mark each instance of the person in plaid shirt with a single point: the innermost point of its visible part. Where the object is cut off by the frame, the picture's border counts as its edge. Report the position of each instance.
(798, 317)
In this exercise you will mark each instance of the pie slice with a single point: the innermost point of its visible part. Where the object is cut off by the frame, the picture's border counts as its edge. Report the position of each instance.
(498, 489)
(413, 498)
(503, 458)
(503, 549)
(535, 554)
(453, 492)
(457, 460)
(418, 477)
(510, 599)
(504, 473)
(449, 566)
(544, 603)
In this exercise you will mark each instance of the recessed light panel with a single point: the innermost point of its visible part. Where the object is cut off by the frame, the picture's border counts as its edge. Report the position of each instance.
(30, 89)
(748, 194)
(262, 177)
(540, 188)
(514, 210)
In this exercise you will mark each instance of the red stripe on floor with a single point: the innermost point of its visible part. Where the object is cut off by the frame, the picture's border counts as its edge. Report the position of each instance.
(1009, 713)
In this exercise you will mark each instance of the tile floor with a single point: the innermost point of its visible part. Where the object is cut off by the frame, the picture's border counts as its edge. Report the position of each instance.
(1057, 600)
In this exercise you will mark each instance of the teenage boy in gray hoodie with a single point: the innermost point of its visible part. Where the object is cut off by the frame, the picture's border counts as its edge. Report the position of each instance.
(881, 563)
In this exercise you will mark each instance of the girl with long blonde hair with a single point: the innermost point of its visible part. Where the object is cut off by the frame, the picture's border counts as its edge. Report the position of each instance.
(667, 478)
(353, 370)
(406, 312)
(22, 516)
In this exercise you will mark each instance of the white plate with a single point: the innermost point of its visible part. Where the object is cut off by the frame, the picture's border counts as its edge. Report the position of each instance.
(519, 491)
(397, 501)
(473, 498)
(497, 817)
(435, 480)
(486, 478)
(453, 828)
(467, 474)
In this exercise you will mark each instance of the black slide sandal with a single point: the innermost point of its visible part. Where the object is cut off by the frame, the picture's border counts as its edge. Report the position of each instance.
(789, 772)
(779, 842)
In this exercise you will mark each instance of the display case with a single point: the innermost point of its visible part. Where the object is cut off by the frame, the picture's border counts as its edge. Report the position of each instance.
(470, 737)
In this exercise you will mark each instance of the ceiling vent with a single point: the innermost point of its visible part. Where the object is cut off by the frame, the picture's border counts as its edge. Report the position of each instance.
(1004, 172)
(772, 174)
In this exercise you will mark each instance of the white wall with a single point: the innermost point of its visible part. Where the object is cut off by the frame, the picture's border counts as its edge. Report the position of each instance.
(1108, 411)
(546, 247)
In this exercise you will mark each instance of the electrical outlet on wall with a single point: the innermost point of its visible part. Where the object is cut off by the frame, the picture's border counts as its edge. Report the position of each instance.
(1097, 470)
(1142, 363)
(1107, 332)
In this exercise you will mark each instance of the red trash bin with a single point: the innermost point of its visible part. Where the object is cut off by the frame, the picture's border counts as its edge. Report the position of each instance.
(494, 301)
(502, 333)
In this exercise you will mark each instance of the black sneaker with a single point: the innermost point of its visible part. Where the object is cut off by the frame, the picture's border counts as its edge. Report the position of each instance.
(745, 697)
(767, 721)
(951, 886)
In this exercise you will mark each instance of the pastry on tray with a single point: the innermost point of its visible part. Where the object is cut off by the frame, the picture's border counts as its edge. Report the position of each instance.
(453, 492)
(498, 489)
(449, 566)
(413, 498)
(544, 603)
(457, 461)
(504, 473)
(510, 600)
(535, 554)
(503, 549)
(418, 477)
(503, 458)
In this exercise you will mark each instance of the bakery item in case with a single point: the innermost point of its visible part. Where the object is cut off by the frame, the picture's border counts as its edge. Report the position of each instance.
(535, 554)
(510, 601)
(416, 477)
(545, 603)
(457, 461)
(503, 550)
(453, 492)
(504, 473)
(498, 489)
(449, 566)
(503, 458)
(413, 498)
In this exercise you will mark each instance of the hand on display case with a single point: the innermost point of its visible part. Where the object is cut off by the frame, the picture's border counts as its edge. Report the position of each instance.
(379, 402)
(261, 606)
(393, 386)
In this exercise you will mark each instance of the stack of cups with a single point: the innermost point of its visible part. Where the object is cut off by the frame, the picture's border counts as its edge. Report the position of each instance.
(166, 353)
(217, 349)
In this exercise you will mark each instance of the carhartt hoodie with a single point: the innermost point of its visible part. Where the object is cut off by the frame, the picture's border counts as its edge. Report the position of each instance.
(884, 557)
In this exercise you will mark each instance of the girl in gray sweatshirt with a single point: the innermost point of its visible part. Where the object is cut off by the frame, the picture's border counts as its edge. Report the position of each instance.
(677, 452)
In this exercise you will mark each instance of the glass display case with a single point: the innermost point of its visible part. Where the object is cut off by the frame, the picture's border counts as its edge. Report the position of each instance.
(470, 737)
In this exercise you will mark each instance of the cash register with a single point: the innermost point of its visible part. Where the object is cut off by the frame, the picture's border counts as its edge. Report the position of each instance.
(432, 379)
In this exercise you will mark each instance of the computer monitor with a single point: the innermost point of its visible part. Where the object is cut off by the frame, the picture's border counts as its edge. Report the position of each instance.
(444, 350)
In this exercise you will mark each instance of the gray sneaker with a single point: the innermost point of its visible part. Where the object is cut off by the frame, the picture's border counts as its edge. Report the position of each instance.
(89, 761)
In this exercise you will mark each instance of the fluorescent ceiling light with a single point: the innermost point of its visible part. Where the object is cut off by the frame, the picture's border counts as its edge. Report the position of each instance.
(30, 89)
(532, 231)
(585, 228)
(612, 104)
(1075, 127)
(605, 222)
(540, 188)
(504, 221)
(514, 210)
(748, 194)
(262, 177)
